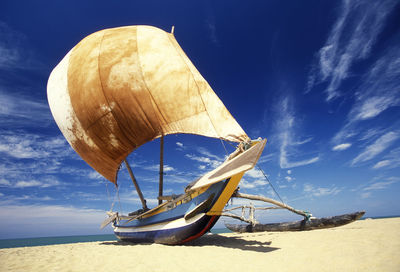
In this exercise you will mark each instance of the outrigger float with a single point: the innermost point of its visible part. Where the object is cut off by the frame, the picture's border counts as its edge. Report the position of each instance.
(308, 223)
(120, 88)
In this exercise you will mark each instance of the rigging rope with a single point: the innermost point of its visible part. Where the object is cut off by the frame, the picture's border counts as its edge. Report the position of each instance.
(108, 194)
(222, 142)
(270, 184)
(119, 200)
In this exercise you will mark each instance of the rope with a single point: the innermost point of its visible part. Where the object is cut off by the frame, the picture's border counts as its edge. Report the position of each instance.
(270, 184)
(119, 200)
(222, 142)
(108, 194)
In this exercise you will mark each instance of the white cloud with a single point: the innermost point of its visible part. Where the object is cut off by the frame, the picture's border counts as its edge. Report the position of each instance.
(376, 148)
(156, 168)
(22, 145)
(208, 154)
(373, 106)
(351, 39)
(341, 147)
(378, 92)
(254, 173)
(21, 111)
(379, 185)
(15, 52)
(4, 182)
(94, 175)
(289, 172)
(288, 179)
(48, 220)
(179, 144)
(44, 183)
(320, 191)
(390, 160)
(288, 144)
(252, 184)
(205, 160)
(365, 195)
(381, 164)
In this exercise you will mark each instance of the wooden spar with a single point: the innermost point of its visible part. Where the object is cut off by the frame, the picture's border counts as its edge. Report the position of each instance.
(249, 207)
(160, 185)
(237, 217)
(269, 200)
(136, 185)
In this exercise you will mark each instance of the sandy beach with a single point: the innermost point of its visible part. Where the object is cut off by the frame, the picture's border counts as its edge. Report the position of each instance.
(367, 245)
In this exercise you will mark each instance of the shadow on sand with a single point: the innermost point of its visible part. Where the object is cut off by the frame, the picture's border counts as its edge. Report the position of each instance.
(214, 240)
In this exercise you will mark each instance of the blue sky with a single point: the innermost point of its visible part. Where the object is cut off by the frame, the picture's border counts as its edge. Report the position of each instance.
(319, 79)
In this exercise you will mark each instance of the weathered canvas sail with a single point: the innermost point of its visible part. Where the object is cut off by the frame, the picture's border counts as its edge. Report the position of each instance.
(120, 88)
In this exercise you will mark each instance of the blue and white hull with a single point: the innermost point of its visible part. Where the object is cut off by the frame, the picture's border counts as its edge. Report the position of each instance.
(192, 214)
(179, 224)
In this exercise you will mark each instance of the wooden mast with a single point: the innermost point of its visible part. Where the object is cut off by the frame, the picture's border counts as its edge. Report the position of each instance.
(160, 185)
(136, 185)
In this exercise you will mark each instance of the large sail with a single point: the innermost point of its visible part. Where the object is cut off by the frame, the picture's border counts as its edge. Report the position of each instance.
(122, 87)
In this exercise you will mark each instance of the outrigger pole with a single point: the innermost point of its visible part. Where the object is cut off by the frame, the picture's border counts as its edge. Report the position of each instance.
(136, 186)
(269, 200)
(160, 185)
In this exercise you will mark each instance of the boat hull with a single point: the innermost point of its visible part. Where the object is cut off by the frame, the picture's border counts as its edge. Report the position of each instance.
(188, 216)
(186, 221)
(311, 224)
(176, 231)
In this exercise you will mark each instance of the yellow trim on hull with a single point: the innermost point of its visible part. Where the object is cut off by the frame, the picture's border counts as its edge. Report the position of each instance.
(226, 194)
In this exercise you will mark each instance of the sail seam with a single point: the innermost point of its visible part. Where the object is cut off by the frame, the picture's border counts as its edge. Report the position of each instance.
(74, 111)
(147, 87)
(198, 89)
(108, 103)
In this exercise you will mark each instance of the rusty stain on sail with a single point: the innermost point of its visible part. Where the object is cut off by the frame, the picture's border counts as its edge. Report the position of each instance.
(122, 87)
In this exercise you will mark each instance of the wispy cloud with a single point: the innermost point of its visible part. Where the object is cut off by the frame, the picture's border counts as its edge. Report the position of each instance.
(378, 183)
(351, 39)
(309, 189)
(156, 168)
(289, 145)
(205, 160)
(254, 173)
(390, 160)
(17, 110)
(244, 183)
(378, 92)
(376, 148)
(21, 111)
(211, 26)
(14, 51)
(341, 147)
(45, 220)
(179, 144)
(22, 145)
(44, 182)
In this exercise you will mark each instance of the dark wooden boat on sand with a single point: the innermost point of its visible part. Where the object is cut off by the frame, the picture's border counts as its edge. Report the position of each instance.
(305, 224)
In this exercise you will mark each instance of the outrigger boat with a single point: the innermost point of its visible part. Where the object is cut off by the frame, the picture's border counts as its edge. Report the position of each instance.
(120, 88)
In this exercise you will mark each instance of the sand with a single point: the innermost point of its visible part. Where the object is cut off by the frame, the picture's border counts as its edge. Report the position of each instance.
(367, 245)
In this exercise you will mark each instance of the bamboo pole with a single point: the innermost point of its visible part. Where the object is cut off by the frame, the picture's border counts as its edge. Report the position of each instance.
(270, 200)
(160, 185)
(136, 185)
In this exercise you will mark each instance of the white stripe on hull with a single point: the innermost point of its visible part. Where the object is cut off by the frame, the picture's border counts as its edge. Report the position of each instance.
(174, 224)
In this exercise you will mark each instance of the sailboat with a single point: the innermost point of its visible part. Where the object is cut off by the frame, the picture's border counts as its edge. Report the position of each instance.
(121, 88)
